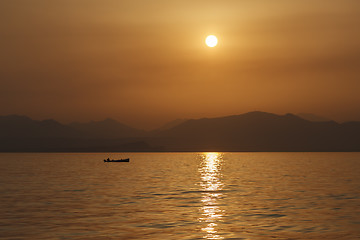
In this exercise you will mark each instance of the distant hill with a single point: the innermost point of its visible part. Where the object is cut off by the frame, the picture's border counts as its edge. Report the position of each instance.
(171, 124)
(107, 129)
(21, 134)
(312, 117)
(260, 131)
(15, 126)
(253, 131)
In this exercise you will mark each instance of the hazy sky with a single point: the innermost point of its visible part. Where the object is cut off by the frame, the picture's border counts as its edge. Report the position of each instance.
(145, 62)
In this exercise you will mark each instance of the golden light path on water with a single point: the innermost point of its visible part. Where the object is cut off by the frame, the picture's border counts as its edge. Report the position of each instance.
(210, 170)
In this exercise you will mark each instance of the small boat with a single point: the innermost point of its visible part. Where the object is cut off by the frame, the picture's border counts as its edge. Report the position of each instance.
(120, 160)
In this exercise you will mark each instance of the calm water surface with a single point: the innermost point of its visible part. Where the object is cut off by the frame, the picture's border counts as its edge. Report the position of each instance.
(180, 196)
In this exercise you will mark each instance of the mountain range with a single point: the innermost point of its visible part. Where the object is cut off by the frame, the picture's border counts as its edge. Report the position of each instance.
(253, 131)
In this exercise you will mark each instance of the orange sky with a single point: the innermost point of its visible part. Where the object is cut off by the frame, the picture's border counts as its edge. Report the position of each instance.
(145, 62)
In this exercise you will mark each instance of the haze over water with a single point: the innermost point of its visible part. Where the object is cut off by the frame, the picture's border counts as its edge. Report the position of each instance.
(180, 196)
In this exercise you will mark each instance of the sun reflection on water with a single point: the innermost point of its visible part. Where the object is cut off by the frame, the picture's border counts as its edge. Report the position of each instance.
(211, 184)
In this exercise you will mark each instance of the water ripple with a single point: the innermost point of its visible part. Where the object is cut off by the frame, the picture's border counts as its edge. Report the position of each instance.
(181, 196)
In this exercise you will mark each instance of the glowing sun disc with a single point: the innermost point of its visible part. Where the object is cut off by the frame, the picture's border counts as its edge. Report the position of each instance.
(211, 41)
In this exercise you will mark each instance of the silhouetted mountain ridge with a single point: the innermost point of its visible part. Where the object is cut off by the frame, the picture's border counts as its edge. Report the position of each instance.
(171, 124)
(253, 131)
(312, 117)
(260, 131)
(15, 126)
(108, 128)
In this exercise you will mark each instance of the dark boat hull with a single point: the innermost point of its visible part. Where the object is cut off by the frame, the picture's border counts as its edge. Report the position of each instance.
(120, 160)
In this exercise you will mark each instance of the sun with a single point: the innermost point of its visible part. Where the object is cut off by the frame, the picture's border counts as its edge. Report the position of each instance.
(211, 41)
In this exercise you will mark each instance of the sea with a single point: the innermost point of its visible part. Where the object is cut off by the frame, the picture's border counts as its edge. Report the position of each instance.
(210, 195)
